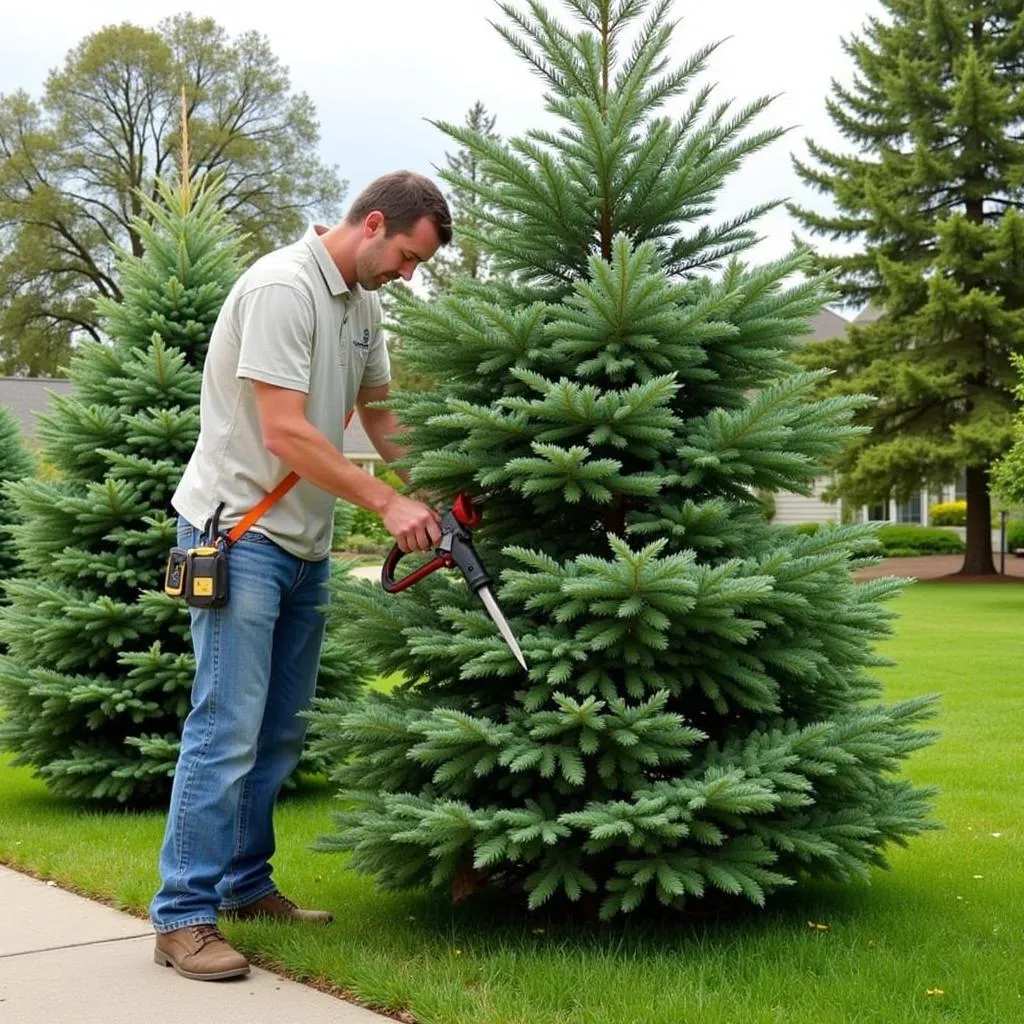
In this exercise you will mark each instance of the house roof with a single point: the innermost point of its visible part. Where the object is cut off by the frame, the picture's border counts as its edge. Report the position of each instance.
(356, 444)
(869, 314)
(26, 397)
(826, 325)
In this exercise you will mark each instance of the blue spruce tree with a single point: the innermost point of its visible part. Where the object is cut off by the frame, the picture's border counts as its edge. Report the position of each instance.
(96, 681)
(700, 714)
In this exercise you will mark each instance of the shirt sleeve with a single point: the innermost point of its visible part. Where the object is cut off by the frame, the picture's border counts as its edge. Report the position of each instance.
(377, 370)
(276, 325)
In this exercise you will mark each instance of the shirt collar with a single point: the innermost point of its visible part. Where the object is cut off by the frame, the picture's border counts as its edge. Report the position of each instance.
(332, 275)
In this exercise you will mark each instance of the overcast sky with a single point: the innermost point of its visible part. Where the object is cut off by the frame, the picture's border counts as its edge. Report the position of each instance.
(377, 71)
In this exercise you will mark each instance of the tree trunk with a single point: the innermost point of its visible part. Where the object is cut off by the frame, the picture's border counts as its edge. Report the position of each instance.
(978, 556)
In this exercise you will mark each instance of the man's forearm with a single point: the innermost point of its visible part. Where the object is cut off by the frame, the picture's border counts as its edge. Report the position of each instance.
(315, 459)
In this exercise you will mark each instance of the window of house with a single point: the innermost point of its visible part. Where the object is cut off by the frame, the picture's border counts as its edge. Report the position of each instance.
(909, 511)
(878, 513)
(960, 493)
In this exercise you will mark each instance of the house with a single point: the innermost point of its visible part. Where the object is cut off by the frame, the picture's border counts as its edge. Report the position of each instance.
(26, 397)
(798, 508)
(793, 508)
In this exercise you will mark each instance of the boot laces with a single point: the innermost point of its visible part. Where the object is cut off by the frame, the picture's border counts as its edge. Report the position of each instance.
(206, 933)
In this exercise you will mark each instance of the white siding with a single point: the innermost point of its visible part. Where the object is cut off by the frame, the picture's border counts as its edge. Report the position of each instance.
(796, 508)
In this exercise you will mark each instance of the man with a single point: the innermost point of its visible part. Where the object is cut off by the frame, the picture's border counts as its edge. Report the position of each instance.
(296, 345)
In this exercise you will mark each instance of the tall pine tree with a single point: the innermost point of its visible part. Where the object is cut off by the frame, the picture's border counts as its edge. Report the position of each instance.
(97, 680)
(700, 711)
(932, 197)
(467, 257)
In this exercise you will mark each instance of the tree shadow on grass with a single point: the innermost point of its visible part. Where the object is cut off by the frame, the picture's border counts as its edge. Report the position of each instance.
(493, 921)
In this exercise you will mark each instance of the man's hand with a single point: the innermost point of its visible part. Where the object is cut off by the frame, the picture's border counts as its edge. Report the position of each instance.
(415, 527)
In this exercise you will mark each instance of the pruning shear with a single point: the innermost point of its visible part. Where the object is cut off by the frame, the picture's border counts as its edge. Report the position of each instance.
(455, 548)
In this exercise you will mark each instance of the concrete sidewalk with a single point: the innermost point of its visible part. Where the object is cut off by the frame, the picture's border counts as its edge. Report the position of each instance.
(68, 960)
(368, 572)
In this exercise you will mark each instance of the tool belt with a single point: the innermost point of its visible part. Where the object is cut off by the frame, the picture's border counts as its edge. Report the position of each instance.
(200, 575)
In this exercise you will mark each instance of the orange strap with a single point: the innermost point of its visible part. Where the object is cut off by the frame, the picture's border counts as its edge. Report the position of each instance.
(276, 494)
(253, 514)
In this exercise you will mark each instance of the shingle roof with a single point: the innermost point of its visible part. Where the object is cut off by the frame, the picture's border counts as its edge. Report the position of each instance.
(357, 444)
(826, 325)
(869, 314)
(28, 396)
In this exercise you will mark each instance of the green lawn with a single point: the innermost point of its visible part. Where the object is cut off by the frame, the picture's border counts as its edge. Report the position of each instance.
(939, 938)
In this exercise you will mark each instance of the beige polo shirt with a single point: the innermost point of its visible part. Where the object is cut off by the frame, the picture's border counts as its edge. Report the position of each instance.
(289, 320)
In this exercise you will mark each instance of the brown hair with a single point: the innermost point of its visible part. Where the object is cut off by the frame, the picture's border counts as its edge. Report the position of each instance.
(404, 197)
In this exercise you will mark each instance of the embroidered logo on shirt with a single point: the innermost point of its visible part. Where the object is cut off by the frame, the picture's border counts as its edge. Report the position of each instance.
(363, 342)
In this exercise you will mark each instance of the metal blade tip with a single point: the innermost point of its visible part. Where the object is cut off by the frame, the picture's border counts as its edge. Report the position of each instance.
(499, 620)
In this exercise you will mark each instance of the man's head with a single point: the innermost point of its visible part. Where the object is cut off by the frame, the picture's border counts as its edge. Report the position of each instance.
(401, 220)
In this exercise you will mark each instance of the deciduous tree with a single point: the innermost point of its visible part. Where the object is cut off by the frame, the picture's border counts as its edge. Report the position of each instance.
(76, 162)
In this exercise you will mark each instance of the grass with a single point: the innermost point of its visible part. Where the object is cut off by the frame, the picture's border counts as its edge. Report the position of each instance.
(939, 938)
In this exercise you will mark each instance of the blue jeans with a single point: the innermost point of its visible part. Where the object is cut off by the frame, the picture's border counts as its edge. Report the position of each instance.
(257, 660)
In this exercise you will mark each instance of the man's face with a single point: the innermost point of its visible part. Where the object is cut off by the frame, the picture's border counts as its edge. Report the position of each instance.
(381, 259)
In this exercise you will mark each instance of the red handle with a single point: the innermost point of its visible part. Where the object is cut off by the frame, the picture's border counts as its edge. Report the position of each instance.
(387, 574)
(465, 515)
(465, 511)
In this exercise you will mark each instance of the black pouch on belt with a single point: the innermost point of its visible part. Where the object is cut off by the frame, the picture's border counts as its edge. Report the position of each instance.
(200, 575)
(207, 577)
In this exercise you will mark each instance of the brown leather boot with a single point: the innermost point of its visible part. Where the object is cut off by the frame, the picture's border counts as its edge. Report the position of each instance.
(280, 907)
(199, 952)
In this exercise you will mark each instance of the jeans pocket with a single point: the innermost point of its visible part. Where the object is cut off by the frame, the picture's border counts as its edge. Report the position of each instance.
(188, 535)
